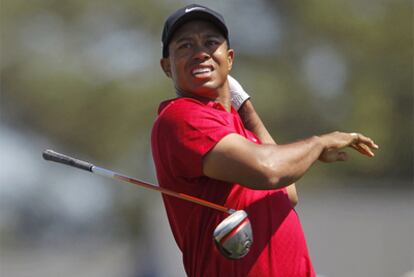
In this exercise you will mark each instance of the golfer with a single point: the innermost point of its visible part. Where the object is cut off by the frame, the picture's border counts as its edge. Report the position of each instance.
(204, 147)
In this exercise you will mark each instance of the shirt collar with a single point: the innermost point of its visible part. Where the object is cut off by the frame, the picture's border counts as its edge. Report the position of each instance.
(209, 103)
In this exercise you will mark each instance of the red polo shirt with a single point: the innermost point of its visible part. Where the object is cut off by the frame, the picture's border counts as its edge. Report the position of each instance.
(185, 130)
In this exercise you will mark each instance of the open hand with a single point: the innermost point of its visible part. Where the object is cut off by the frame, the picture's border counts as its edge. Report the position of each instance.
(335, 142)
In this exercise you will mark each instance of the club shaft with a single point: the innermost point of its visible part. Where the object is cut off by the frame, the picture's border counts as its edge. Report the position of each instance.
(64, 159)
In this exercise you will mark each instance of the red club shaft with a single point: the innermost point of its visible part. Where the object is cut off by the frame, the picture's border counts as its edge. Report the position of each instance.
(173, 193)
(51, 155)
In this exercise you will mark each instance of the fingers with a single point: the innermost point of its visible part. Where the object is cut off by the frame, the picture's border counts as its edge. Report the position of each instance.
(363, 144)
(359, 138)
(363, 149)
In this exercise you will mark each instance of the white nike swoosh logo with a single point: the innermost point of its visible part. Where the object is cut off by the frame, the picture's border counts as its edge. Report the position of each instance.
(192, 9)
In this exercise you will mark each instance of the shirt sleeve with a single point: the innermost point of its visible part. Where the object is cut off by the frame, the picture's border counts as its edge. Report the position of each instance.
(190, 133)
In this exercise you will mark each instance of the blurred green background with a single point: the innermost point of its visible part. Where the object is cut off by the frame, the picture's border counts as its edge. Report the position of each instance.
(83, 77)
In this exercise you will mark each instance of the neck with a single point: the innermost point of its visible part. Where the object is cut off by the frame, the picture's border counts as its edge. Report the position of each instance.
(222, 96)
(225, 101)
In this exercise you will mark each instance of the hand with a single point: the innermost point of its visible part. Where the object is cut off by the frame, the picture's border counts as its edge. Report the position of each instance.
(238, 94)
(334, 142)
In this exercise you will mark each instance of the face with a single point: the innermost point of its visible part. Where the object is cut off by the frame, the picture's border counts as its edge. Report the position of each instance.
(199, 60)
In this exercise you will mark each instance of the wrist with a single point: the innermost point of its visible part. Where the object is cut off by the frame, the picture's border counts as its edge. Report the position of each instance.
(238, 94)
(238, 100)
(319, 144)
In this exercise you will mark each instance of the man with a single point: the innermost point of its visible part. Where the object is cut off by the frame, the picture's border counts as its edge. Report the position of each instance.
(202, 147)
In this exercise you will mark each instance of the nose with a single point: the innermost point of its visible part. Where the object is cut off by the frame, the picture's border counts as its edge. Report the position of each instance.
(201, 53)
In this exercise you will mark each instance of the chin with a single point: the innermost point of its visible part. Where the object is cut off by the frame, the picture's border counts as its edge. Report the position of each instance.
(206, 90)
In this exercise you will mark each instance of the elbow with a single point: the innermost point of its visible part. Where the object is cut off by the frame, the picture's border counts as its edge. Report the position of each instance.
(272, 174)
(266, 176)
(271, 179)
(276, 182)
(271, 182)
(263, 181)
(275, 179)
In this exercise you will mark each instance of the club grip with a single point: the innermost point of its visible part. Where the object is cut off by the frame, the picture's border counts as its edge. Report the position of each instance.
(53, 156)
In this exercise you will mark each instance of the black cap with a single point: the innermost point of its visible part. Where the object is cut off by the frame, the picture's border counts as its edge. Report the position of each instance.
(183, 15)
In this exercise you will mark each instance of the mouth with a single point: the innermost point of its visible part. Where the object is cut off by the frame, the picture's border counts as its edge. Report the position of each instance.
(202, 72)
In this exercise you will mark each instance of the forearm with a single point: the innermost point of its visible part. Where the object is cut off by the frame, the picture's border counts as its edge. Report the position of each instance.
(260, 166)
(253, 123)
(285, 164)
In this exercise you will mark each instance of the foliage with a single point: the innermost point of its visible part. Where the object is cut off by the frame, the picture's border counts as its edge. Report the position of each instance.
(86, 75)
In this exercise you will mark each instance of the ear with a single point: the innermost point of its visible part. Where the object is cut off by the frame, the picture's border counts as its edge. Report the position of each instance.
(230, 58)
(166, 66)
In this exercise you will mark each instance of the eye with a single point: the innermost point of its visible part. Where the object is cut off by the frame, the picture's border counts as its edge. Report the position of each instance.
(184, 45)
(212, 42)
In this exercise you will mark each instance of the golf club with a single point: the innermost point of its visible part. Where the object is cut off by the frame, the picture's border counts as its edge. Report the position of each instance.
(233, 236)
